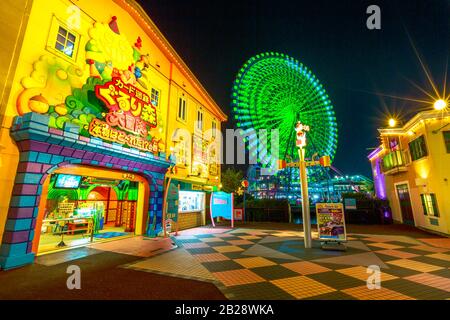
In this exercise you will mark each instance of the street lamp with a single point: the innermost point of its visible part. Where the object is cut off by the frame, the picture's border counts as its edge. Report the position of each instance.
(392, 122)
(440, 104)
(301, 130)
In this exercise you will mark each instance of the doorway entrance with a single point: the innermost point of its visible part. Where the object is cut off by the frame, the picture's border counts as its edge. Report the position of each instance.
(79, 209)
(405, 204)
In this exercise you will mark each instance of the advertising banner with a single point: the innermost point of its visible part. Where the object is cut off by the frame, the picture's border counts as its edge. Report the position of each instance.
(221, 205)
(331, 221)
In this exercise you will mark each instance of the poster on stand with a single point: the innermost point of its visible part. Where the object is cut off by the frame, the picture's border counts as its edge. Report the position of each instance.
(331, 221)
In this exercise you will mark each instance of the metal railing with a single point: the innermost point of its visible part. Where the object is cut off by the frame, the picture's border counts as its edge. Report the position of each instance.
(394, 160)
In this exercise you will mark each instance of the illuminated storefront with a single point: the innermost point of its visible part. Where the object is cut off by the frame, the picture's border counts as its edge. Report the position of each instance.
(88, 126)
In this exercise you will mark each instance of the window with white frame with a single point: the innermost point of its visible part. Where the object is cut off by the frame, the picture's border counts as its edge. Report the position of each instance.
(429, 204)
(62, 40)
(182, 109)
(199, 123)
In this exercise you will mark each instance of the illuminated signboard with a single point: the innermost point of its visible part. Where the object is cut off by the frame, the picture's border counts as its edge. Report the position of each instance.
(331, 221)
(66, 181)
(130, 110)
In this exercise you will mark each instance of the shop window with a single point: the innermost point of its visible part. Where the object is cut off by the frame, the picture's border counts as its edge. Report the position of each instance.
(429, 204)
(199, 123)
(446, 135)
(418, 148)
(62, 40)
(154, 96)
(182, 109)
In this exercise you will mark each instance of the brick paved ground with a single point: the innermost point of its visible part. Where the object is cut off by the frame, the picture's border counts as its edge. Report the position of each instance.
(273, 264)
(251, 262)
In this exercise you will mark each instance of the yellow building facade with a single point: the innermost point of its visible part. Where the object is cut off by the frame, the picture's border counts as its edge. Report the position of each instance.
(91, 87)
(411, 169)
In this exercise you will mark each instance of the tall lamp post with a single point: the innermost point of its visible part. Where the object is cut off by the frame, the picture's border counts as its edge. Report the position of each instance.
(301, 130)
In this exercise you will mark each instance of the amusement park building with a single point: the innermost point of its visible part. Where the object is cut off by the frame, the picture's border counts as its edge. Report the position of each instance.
(410, 169)
(95, 107)
(286, 185)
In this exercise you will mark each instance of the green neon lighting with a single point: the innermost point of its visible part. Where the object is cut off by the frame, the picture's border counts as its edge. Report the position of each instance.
(273, 90)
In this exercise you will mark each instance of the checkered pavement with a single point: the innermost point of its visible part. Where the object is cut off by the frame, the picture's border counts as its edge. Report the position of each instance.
(253, 264)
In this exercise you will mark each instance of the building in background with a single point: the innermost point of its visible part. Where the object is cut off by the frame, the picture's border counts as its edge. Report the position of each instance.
(411, 169)
(286, 185)
(96, 106)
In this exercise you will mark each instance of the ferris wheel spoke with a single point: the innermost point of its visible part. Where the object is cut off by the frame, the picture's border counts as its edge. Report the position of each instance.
(273, 91)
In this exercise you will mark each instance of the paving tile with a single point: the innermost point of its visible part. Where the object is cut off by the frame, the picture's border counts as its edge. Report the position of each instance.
(201, 250)
(273, 239)
(274, 272)
(220, 266)
(203, 231)
(357, 245)
(234, 255)
(397, 253)
(210, 257)
(195, 245)
(414, 265)
(337, 280)
(443, 273)
(264, 251)
(361, 259)
(431, 280)
(377, 239)
(258, 291)
(426, 248)
(364, 293)
(225, 235)
(136, 246)
(362, 274)
(416, 290)
(223, 249)
(65, 256)
(175, 263)
(302, 287)
(305, 267)
(239, 242)
(433, 261)
(250, 237)
(438, 242)
(439, 256)
(212, 239)
(384, 245)
(237, 277)
(254, 262)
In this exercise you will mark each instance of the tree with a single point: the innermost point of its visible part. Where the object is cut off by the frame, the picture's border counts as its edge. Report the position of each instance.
(231, 180)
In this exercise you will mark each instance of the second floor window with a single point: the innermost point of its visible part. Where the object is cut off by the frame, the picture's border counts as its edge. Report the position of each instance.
(214, 128)
(418, 148)
(154, 96)
(182, 109)
(199, 124)
(446, 135)
(65, 42)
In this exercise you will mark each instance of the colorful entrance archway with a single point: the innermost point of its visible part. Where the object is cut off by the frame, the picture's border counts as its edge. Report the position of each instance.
(42, 151)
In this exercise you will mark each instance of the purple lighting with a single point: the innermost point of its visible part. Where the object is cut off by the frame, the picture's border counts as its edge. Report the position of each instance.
(380, 187)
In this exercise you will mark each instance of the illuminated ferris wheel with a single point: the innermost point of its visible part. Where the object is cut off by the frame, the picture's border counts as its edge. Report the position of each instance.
(274, 91)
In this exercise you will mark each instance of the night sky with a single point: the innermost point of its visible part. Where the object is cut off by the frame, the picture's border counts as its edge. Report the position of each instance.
(330, 37)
